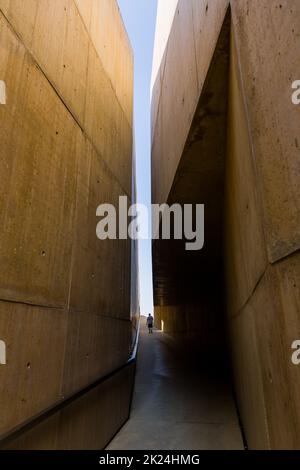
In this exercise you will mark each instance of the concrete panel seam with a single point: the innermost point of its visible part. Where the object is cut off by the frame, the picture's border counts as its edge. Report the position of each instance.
(259, 188)
(194, 41)
(284, 257)
(84, 132)
(95, 50)
(238, 313)
(266, 424)
(164, 62)
(21, 302)
(40, 69)
(73, 310)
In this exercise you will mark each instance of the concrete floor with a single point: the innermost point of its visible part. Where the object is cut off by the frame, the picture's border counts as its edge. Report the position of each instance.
(175, 405)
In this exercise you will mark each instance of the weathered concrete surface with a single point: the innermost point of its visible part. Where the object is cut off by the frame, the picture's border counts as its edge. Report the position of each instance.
(66, 147)
(186, 282)
(262, 222)
(31, 379)
(87, 423)
(268, 73)
(193, 38)
(277, 295)
(260, 210)
(267, 381)
(82, 79)
(243, 229)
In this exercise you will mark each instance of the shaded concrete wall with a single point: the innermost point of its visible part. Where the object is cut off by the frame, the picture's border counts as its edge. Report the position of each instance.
(89, 422)
(189, 107)
(66, 147)
(261, 213)
(263, 220)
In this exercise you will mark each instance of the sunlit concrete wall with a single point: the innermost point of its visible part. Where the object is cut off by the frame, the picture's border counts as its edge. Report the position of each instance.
(261, 210)
(66, 147)
(164, 19)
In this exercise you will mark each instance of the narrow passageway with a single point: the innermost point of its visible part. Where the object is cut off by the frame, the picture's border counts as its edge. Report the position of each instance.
(176, 405)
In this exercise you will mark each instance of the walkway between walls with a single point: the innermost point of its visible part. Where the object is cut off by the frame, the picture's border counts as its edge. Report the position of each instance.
(175, 405)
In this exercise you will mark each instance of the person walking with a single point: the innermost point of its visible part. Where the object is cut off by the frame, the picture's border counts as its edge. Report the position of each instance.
(150, 323)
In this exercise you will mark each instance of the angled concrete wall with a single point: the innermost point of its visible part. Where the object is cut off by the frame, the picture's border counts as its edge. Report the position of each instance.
(66, 147)
(189, 109)
(263, 219)
(260, 188)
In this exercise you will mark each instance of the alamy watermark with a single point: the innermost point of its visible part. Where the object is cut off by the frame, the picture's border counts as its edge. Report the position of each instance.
(160, 222)
(296, 94)
(295, 358)
(2, 92)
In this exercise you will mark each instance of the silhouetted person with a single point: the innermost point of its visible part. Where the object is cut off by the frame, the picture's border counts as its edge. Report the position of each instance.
(150, 323)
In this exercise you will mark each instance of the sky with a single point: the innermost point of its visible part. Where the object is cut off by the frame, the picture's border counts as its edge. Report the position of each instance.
(139, 17)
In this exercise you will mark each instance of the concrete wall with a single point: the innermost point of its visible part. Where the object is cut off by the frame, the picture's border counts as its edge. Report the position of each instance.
(66, 147)
(188, 156)
(89, 422)
(260, 212)
(263, 220)
(164, 19)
